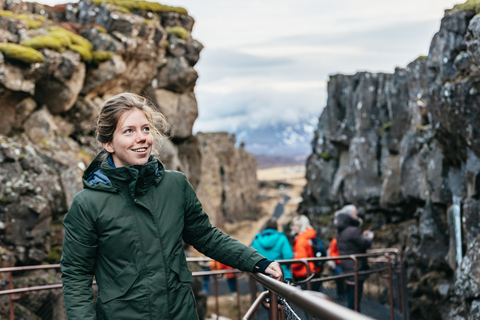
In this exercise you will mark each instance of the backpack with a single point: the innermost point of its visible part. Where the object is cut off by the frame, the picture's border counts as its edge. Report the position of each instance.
(318, 250)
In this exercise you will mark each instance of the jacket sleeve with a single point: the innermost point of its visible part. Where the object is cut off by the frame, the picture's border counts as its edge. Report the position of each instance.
(199, 233)
(362, 242)
(78, 262)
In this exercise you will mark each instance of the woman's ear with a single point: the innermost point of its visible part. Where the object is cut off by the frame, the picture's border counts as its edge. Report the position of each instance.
(108, 146)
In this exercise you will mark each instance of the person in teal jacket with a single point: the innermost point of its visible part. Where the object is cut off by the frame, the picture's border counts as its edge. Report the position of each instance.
(274, 245)
(126, 227)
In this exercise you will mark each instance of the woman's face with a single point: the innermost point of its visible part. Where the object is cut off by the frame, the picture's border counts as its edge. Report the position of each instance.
(295, 227)
(132, 140)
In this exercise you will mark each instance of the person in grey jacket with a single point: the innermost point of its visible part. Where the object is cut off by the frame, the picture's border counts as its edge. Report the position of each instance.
(352, 240)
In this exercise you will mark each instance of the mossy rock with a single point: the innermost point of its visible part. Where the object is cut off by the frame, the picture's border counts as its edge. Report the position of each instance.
(385, 128)
(326, 156)
(21, 53)
(101, 56)
(473, 5)
(86, 54)
(179, 32)
(43, 42)
(54, 255)
(420, 58)
(100, 29)
(33, 21)
(142, 6)
(59, 39)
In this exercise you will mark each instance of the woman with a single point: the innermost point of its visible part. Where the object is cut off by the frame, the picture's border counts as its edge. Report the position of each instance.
(302, 248)
(126, 227)
(273, 245)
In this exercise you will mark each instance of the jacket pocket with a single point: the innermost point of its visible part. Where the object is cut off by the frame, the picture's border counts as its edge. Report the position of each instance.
(181, 270)
(120, 285)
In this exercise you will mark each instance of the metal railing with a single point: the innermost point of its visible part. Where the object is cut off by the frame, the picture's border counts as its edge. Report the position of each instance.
(315, 304)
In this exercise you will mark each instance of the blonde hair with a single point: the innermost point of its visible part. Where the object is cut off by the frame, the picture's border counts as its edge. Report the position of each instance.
(113, 109)
(302, 221)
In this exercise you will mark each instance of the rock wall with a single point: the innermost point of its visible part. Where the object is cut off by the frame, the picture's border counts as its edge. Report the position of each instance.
(229, 188)
(400, 146)
(73, 57)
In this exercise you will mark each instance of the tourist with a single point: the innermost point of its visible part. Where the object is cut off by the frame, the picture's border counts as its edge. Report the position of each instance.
(351, 240)
(274, 245)
(302, 248)
(126, 227)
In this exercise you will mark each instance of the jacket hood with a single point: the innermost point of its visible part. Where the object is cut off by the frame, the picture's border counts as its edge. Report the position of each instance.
(343, 220)
(268, 238)
(309, 233)
(101, 175)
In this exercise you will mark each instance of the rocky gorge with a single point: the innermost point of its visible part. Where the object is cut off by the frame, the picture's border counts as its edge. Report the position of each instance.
(404, 147)
(57, 65)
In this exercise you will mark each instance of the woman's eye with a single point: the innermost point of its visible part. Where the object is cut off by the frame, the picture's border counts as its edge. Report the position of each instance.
(146, 129)
(128, 131)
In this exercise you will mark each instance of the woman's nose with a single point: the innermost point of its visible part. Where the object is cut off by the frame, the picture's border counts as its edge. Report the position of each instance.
(140, 137)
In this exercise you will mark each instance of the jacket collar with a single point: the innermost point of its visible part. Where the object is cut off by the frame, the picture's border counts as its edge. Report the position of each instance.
(100, 175)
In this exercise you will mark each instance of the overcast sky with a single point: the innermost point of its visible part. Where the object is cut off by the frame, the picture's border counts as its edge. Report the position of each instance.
(269, 60)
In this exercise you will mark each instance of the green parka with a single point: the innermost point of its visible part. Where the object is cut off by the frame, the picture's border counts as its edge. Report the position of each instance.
(126, 229)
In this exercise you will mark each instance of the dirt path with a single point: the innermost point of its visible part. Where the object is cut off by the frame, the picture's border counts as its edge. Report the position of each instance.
(269, 196)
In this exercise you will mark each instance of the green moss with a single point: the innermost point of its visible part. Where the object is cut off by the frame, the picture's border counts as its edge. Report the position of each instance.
(45, 142)
(33, 21)
(43, 42)
(424, 127)
(101, 56)
(384, 129)
(149, 21)
(167, 44)
(100, 29)
(326, 156)
(22, 156)
(179, 32)
(84, 52)
(21, 53)
(143, 6)
(325, 220)
(3, 199)
(473, 5)
(419, 58)
(54, 255)
(59, 39)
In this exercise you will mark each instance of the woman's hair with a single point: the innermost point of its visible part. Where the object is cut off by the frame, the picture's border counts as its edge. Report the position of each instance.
(271, 224)
(302, 221)
(113, 109)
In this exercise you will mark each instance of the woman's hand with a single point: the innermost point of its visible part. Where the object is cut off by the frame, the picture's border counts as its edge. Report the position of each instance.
(274, 270)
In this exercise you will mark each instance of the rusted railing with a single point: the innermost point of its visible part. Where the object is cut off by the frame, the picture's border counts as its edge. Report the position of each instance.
(314, 304)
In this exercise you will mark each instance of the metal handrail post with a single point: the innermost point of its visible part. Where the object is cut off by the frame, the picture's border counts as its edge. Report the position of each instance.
(11, 296)
(273, 306)
(355, 282)
(253, 308)
(390, 287)
(217, 308)
(238, 297)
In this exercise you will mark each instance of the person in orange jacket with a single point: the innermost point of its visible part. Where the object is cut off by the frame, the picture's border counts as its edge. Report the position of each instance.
(302, 248)
(231, 277)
